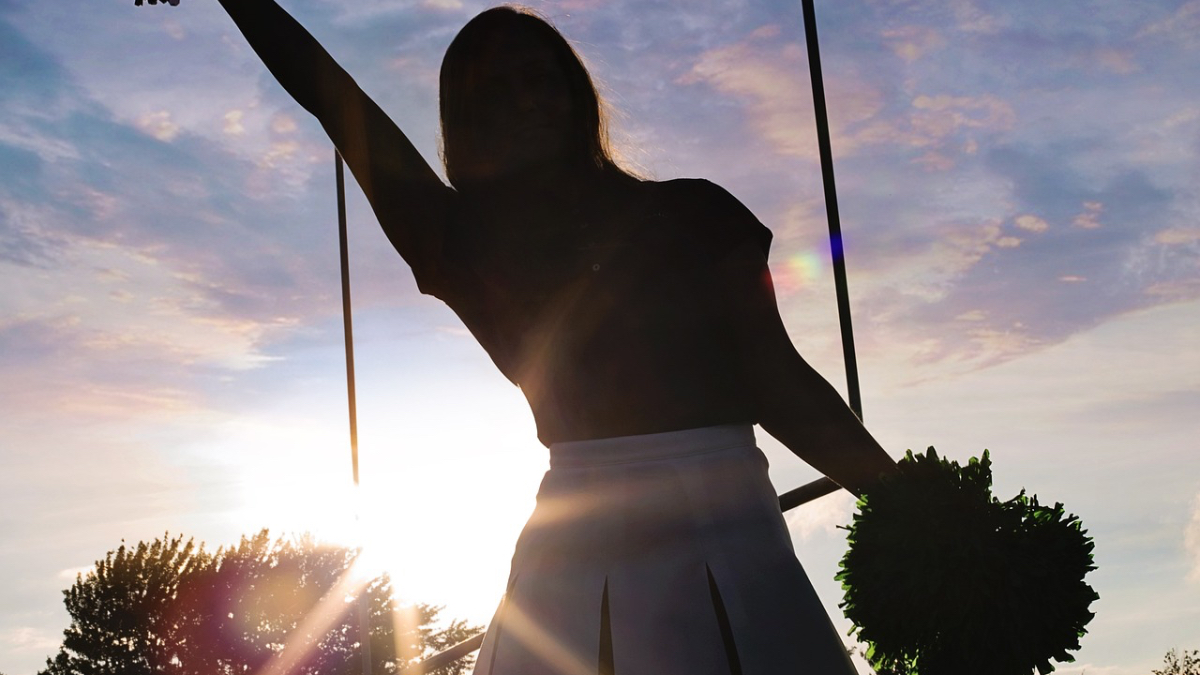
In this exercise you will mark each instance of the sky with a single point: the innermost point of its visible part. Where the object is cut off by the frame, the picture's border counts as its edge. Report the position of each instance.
(1019, 186)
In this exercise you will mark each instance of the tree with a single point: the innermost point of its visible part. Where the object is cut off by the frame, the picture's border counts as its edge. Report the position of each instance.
(1184, 663)
(169, 608)
(121, 612)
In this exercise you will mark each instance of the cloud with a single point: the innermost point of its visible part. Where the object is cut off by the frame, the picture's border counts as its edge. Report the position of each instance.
(71, 573)
(926, 266)
(21, 242)
(29, 639)
(1162, 142)
(1088, 219)
(821, 517)
(283, 124)
(1174, 291)
(1024, 283)
(159, 125)
(1191, 541)
(74, 365)
(1031, 223)
(912, 42)
(133, 267)
(939, 116)
(1175, 236)
(923, 307)
(1026, 206)
(971, 19)
(1119, 61)
(233, 123)
(766, 79)
(174, 29)
(1182, 26)
(768, 74)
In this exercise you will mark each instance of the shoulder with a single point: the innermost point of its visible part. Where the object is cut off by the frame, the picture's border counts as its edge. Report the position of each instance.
(708, 211)
(691, 190)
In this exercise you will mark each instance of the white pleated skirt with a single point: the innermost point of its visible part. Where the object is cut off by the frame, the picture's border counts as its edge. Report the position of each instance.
(660, 554)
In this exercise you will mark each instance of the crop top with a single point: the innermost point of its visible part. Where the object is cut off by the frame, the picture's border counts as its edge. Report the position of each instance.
(613, 322)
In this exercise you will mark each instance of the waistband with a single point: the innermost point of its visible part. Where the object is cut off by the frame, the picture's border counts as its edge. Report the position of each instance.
(650, 447)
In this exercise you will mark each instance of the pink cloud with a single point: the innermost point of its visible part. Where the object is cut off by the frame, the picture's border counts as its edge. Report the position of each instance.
(938, 117)
(1178, 235)
(1089, 218)
(1031, 223)
(771, 78)
(912, 42)
(159, 125)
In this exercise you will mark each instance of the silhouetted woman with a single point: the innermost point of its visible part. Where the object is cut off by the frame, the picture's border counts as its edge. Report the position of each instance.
(638, 319)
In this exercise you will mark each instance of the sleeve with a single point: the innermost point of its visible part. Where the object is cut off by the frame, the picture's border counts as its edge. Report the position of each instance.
(445, 260)
(429, 250)
(722, 223)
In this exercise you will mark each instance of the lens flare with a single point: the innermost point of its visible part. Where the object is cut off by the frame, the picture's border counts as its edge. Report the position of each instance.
(797, 272)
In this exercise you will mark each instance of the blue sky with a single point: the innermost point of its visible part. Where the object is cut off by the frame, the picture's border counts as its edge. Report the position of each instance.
(1018, 184)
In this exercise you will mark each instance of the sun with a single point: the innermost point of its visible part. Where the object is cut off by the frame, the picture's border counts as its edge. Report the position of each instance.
(441, 512)
(439, 505)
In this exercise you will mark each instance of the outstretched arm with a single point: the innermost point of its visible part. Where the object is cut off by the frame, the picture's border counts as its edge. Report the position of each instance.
(793, 402)
(408, 197)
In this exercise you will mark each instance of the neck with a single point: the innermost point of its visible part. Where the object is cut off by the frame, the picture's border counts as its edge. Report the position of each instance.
(548, 184)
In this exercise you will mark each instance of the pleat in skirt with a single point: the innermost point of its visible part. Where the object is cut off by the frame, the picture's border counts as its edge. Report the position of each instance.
(661, 554)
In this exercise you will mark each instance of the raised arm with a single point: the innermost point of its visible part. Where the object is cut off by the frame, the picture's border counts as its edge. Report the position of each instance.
(794, 403)
(408, 197)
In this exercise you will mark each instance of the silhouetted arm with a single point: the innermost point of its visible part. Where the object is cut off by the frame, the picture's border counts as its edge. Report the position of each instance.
(793, 402)
(408, 197)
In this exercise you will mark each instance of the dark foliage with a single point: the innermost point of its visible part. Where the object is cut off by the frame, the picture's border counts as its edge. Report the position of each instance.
(1183, 663)
(167, 607)
(942, 578)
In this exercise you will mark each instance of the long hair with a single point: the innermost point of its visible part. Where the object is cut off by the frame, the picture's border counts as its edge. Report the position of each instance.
(463, 151)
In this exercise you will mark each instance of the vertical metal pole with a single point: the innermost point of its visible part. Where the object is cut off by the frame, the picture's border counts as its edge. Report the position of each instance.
(346, 319)
(363, 601)
(831, 208)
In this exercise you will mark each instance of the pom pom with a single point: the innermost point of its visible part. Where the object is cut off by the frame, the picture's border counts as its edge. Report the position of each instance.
(942, 578)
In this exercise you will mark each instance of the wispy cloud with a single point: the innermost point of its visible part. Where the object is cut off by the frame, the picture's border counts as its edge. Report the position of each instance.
(770, 75)
(159, 125)
(970, 18)
(765, 75)
(1182, 25)
(119, 247)
(912, 42)
(28, 639)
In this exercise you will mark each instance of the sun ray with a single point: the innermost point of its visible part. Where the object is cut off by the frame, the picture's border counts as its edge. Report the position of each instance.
(540, 642)
(317, 622)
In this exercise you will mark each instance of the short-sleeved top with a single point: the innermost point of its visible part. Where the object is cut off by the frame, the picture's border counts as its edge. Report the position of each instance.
(610, 326)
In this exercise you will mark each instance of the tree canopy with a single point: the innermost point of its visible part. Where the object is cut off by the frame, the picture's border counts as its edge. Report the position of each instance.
(168, 607)
(1181, 663)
